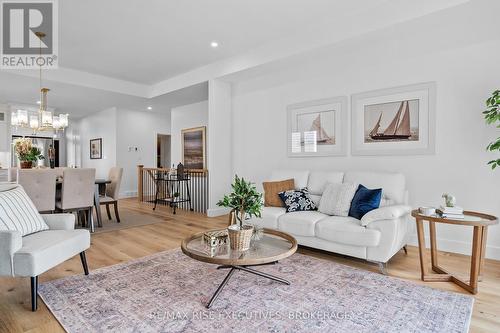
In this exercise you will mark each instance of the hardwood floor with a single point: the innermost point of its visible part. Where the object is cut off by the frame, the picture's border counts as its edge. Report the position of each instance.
(122, 245)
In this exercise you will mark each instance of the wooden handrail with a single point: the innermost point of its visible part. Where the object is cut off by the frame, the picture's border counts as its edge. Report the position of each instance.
(140, 193)
(169, 169)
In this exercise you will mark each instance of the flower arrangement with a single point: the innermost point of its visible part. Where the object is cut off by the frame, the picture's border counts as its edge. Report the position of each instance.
(449, 200)
(26, 152)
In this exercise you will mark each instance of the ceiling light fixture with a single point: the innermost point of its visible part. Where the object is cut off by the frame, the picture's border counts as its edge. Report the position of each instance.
(43, 119)
(214, 44)
(150, 108)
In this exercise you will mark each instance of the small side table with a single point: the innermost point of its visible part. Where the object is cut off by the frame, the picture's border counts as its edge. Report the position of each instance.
(173, 183)
(479, 221)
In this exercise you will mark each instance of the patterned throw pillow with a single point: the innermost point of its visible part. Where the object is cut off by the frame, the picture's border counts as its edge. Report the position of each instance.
(297, 201)
(18, 213)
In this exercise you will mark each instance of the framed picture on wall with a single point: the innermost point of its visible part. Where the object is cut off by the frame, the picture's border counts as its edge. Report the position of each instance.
(193, 148)
(394, 121)
(96, 149)
(317, 128)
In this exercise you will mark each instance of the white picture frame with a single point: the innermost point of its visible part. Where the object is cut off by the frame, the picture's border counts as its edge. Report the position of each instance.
(394, 121)
(317, 128)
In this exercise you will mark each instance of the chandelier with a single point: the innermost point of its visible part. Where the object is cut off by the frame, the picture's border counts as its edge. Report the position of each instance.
(42, 120)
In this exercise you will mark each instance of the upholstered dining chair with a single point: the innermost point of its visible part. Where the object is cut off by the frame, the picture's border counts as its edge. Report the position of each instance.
(40, 185)
(60, 171)
(77, 193)
(112, 192)
(12, 176)
(30, 243)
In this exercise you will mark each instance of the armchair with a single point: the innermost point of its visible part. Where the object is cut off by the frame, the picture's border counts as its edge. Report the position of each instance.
(36, 253)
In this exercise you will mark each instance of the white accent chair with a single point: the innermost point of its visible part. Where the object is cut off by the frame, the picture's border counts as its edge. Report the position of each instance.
(34, 254)
(40, 185)
(376, 237)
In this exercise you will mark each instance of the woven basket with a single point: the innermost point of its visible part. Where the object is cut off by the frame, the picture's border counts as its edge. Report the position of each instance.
(240, 239)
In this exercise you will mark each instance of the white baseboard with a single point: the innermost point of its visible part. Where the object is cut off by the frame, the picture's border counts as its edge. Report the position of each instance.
(214, 212)
(455, 246)
(128, 194)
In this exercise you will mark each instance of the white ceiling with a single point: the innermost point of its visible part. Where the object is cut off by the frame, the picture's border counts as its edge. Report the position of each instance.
(135, 53)
(149, 41)
(80, 101)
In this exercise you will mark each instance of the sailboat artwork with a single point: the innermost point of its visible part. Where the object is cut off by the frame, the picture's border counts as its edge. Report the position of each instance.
(321, 125)
(321, 136)
(398, 129)
(317, 128)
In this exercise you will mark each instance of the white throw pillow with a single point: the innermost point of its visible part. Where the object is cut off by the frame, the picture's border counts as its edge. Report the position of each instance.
(385, 201)
(336, 199)
(18, 213)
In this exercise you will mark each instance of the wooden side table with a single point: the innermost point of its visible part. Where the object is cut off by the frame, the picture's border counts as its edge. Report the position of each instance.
(479, 222)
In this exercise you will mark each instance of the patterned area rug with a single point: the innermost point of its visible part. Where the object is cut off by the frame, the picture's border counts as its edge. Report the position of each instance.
(166, 292)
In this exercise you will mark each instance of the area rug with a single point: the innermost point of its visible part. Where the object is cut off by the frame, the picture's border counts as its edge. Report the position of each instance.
(167, 292)
(128, 219)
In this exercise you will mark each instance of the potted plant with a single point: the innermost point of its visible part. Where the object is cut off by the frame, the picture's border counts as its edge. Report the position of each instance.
(492, 116)
(27, 153)
(245, 202)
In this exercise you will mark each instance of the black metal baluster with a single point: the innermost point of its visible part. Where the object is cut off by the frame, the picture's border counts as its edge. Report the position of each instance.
(196, 180)
(195, 185)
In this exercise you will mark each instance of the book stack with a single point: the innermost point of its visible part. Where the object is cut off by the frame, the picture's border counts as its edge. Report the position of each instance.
(451, 212)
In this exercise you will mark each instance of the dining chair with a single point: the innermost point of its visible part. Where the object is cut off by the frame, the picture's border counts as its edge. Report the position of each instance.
(59, 172)
(112, 192)
(12, 176)
(40, 185)
(77, 193)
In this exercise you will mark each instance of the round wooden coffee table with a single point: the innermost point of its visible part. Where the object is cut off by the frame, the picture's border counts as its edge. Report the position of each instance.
(272, 247)
(479, 221)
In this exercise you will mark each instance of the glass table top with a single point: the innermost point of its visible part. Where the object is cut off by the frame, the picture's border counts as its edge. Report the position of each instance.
(470, 218)
(269, 248)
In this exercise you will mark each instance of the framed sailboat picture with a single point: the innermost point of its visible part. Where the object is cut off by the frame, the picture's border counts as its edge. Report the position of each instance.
(317, 128)
(395, 121)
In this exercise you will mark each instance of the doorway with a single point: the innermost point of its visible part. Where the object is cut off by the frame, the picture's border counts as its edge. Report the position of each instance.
(163, 142)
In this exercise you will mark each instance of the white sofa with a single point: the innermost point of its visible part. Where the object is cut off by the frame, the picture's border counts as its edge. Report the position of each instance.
(376, 237)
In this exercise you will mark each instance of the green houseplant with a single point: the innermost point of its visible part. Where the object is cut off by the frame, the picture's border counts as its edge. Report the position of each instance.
(492, 116)
(245, 201)
(27, 153)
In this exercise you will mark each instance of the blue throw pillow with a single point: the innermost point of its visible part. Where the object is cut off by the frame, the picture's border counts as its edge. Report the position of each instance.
(364, 201)
(297, 201)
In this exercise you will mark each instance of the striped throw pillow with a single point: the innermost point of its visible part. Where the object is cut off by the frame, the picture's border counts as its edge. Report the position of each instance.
(18, 213)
